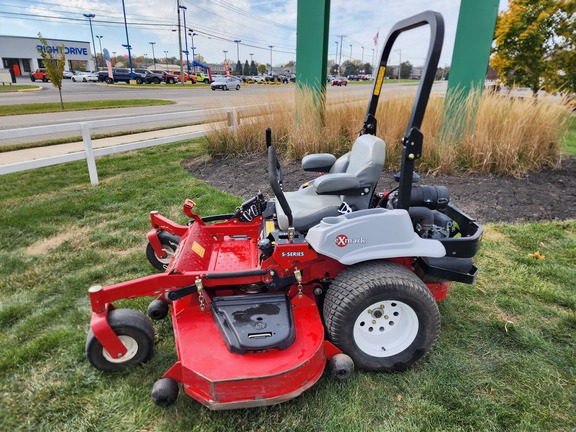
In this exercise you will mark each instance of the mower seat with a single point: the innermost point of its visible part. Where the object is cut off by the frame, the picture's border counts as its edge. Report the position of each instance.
(326, 194)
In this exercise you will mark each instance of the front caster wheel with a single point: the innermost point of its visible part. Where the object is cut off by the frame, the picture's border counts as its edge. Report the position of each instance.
(341, 367)
(382, 315)
(157, 310)
(165, 392)
(169, 244)
(135, 331)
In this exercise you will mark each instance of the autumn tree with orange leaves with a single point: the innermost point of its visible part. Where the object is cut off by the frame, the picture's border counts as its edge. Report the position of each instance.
(535, 45)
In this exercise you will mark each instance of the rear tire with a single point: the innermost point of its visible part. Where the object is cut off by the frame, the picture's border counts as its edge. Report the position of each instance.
(109, 80)
(156, 80)
(135, 331)
(382, 315)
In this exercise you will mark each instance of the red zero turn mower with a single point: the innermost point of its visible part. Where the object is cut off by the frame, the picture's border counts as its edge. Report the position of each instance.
(331, 273)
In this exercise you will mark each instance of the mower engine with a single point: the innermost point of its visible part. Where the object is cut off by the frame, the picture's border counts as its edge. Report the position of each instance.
(427, 206)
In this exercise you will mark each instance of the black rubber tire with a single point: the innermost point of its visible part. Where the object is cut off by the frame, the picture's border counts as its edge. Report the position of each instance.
(341, 367)
(165, 392)
(225, 88)
(44, 79)
(168, 241)
(139, 81)
(32, 78)
(84, 80)
(238, 87)
(109, 80)
(127, 322)
(170, 81)
(213, 89)
(362, 285)
(157, 310)
(156, 80)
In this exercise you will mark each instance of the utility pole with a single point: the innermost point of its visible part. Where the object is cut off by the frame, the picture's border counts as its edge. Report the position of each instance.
(350, 64)
(166, 56)
(90, 16)
(336, 56)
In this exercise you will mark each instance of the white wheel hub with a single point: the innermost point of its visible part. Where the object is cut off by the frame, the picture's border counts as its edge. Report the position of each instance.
(386, 328)
(131, 346)
(169, 254)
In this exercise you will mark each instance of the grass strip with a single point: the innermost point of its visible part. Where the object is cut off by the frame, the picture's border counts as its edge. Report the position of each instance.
(504, 359)
(17, 87)
(6, 110)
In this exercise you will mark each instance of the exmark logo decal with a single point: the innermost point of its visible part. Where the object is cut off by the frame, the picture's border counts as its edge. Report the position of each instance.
(343, 240)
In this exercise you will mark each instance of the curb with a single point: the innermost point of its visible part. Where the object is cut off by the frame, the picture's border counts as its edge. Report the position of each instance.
(31, 90)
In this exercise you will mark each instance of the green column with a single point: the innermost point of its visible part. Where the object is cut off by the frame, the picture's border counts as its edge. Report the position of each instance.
(474, 36)
(312, 51)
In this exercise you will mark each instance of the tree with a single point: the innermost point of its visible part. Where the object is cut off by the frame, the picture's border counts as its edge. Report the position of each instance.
(54, 65)
(262, 69)
(534, 44)
(246, 70)
(253, 68)
(367, 68)
(405, 69)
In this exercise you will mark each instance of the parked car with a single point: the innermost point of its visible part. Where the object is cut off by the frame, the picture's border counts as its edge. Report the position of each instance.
(149, 76)
(225, 84)
(85, 76)
(186, 77)
(67, 74)
(339, 81)
(39, 74)
(167, 77)
(120, 75)
(201, 78)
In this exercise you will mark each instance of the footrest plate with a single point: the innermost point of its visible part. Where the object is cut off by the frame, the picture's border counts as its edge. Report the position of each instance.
(254, 322)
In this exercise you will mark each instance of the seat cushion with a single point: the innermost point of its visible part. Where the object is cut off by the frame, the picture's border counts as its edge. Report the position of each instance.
(308, 208)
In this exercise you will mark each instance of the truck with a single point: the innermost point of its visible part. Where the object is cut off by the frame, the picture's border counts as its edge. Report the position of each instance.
(39, 74)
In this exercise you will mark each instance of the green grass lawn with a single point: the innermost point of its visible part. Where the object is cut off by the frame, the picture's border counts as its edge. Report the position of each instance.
(7, 110)
(17, 87)
(505, 359)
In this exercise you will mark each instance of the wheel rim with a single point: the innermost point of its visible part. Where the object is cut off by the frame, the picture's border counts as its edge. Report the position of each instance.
(131, 346)
(169, 254)
(386, 328)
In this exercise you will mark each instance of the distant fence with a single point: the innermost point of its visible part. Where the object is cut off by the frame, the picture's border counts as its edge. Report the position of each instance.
(89, 153)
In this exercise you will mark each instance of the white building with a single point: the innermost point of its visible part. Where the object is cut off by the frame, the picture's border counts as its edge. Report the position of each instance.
(21, 53)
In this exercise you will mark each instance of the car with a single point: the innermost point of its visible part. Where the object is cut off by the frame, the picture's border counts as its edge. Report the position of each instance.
(201, 78)
(339, 81)
(39, 74)
(225, 84)
(85, 76)
(67, 74)
(149, 76)
(186, 77)
(122, 74)
(168, 78)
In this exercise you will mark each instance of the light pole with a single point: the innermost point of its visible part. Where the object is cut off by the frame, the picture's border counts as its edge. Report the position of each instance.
(399, 62)
(153, 55)
(192, 34)
(100, 43)
(224, 51)
(336, 56)
(166, 55)
(145, 61)
(238, 65)
(90, 16)
(362, 55)
(251, 62)
(350, 64)
(271, 46)
(127, 46)
(184, 8)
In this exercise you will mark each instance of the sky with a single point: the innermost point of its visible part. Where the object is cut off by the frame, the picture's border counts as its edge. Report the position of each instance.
(258, 24)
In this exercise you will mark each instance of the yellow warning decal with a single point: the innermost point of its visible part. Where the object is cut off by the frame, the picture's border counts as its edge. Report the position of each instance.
(269, 227)
(198, 249)
(379, 80)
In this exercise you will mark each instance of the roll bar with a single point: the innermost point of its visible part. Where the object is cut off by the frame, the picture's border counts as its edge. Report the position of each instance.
(413, 138)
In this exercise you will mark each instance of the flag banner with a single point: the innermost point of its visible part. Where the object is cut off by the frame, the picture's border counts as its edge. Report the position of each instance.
(376, 38)
(108, 63)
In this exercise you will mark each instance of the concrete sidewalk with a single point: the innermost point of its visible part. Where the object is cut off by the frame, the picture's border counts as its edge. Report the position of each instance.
(61, 149)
